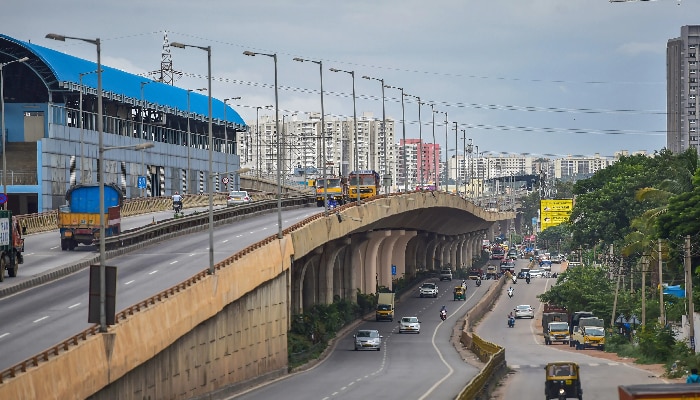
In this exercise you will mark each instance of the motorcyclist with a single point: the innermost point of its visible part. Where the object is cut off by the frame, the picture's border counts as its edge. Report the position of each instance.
(527, 277)
(177, 201)
(443, 312)
(511, 319)
(510, 291)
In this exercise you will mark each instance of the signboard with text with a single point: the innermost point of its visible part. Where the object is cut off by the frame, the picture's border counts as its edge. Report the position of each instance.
(555, 212)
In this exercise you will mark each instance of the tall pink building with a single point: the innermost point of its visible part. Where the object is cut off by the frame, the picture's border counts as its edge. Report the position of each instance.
(422, 163)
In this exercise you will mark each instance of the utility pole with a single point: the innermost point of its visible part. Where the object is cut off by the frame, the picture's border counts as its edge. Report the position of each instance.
(645, 265)
(662, 311)
(689, 292)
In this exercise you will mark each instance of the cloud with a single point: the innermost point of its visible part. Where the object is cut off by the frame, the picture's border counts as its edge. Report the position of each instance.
(637, 48)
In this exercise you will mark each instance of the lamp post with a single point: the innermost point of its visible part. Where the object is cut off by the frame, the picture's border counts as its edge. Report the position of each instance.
(4, 139)
(446, 128)
(257, 134)
(432, 107)
(323, 137)
(143, 166)
(226, 136)
(356, 150)
(403, 148)
(469, 167)
(277, 124)
(386, 151)
(103, 284)
(420, 141)
(80, 121)
(211, 151)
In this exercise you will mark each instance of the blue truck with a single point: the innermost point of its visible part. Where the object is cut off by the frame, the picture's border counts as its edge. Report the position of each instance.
(79, 220)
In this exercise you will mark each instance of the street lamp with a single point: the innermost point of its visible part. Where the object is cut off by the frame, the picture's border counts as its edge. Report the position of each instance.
(101, 149)
(403, 148)
(386, 151)
(80, 121)
(143, 166)
(277, 127)
(323, 137)
(356, 150)
(4, 139)
(211, 152)
(226, 135)
(432, 107)
(446, 128)
(257, 134)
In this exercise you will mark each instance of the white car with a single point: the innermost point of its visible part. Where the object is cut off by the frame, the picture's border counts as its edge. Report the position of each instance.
(409, 324)
(368, 339)
(536, 273)
(237, 197)
(524, 311)
(428, 289)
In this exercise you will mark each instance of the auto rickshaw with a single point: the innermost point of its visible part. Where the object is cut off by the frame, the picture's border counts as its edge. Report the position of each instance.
(562, 381)
(459, 293)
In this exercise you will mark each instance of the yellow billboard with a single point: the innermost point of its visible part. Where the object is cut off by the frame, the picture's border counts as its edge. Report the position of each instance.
(555, 212)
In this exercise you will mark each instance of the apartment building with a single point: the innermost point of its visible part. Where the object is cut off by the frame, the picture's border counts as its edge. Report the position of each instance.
(682, 90)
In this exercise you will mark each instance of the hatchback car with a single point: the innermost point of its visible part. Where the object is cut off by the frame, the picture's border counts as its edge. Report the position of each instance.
(368, 339)
(409, 324)
(535, 273)
(237, 197)
(524, 311)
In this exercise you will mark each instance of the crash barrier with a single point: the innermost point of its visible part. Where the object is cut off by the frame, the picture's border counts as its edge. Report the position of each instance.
(493, 355)
(146, 236)
(48, 221)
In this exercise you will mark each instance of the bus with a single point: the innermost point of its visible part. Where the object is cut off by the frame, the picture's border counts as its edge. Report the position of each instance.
(366, 181)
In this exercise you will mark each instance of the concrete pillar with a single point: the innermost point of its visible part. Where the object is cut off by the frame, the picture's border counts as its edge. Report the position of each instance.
(375, 258)
(399, 251)
(328, 280)
(432, 252)
(354, 258)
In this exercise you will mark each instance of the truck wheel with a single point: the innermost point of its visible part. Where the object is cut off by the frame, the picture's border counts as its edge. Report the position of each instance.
(12, 271)
(64, 245)
(3, 265)
(72, 245)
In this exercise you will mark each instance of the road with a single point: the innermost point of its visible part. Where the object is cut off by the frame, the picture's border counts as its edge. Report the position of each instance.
(527, 355)
(43, 316)
(409, 366)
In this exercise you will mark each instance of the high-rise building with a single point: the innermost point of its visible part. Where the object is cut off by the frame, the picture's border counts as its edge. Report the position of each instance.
(682, 90)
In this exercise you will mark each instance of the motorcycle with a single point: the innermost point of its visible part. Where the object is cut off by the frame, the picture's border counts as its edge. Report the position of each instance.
(511, 322)
(515, 280)
(177, 206)
(510, 293)
(527, 280)
(443, 315)
(478, 282)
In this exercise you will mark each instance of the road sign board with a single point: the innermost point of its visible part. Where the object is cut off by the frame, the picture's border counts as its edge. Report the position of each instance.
(3, 198)
(141, 182)
(224, 180)
(393, 269)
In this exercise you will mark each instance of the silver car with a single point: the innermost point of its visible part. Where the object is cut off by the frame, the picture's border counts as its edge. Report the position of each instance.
(524, 311)
(409, 324)
(236, 197)
(368, 339)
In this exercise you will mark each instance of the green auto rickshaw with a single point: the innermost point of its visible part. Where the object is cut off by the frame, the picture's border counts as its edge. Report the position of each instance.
(459, 293)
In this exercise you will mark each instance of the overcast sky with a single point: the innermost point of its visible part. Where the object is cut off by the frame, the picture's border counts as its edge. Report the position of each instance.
(557, 77)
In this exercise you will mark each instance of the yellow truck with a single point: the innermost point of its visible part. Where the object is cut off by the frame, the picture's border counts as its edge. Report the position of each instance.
(589, 334)
(555, 328)
(332, 188)
(385, 307)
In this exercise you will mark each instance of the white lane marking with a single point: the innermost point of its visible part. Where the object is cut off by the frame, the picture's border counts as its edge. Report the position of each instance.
(4, 334)
(152, 272)
(40, 319)
(54, 248)
(193, 254)
(224, 241)
(74, 305)
(130, 282)
(174, 262)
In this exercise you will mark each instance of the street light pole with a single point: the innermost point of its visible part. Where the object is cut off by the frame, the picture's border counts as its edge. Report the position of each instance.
(143, 166)
(277, 124)
(226, 137)
(2, 126)
(403, 125)
(356, 151)
(386, 151)
(456, 159)
(432, 107)
(323, 137)
(420, 141)
(211, 152)
(80, 121)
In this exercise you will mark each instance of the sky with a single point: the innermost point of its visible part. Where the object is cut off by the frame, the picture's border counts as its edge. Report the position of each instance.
(540, 77)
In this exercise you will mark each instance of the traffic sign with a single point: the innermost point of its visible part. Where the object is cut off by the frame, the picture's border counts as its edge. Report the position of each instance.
(224, 180)
(141, 182)
(3, 198)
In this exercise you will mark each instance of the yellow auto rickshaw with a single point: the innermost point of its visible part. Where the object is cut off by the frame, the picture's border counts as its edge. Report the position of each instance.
(562, 381)
(459, 293)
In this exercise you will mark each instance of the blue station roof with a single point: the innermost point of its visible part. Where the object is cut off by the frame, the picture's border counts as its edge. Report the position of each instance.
(67, 69)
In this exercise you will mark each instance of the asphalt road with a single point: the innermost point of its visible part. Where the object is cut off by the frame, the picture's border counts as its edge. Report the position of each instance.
(527, 355)
(43, 316)
(409, 366)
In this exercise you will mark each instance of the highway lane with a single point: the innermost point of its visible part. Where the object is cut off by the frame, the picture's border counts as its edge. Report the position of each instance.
(409, 366)
(43, 250)
(527, 355)
(40, 317)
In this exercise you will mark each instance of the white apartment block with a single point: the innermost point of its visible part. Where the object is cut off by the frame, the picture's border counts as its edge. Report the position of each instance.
(682, 57)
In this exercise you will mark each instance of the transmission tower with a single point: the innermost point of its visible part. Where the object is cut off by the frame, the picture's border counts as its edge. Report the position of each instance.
(166, 73)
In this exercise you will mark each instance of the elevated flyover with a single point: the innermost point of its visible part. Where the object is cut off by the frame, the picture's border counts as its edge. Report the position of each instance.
(222, 331)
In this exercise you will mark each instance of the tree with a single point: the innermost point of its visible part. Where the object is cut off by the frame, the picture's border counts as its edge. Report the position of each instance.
(582, 288)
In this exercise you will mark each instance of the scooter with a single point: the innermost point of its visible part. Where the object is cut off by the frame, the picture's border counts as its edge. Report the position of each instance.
(511, 322)
(510, 293)
(515, 280)
(443, 315)
(177, 206)
(527, 280)
(478, 282)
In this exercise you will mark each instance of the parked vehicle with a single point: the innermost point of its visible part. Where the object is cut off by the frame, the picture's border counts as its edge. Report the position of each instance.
(237, 197)
(79, 220)
(589, 334)
(11, 244)
(385, 307)
(368, 339)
